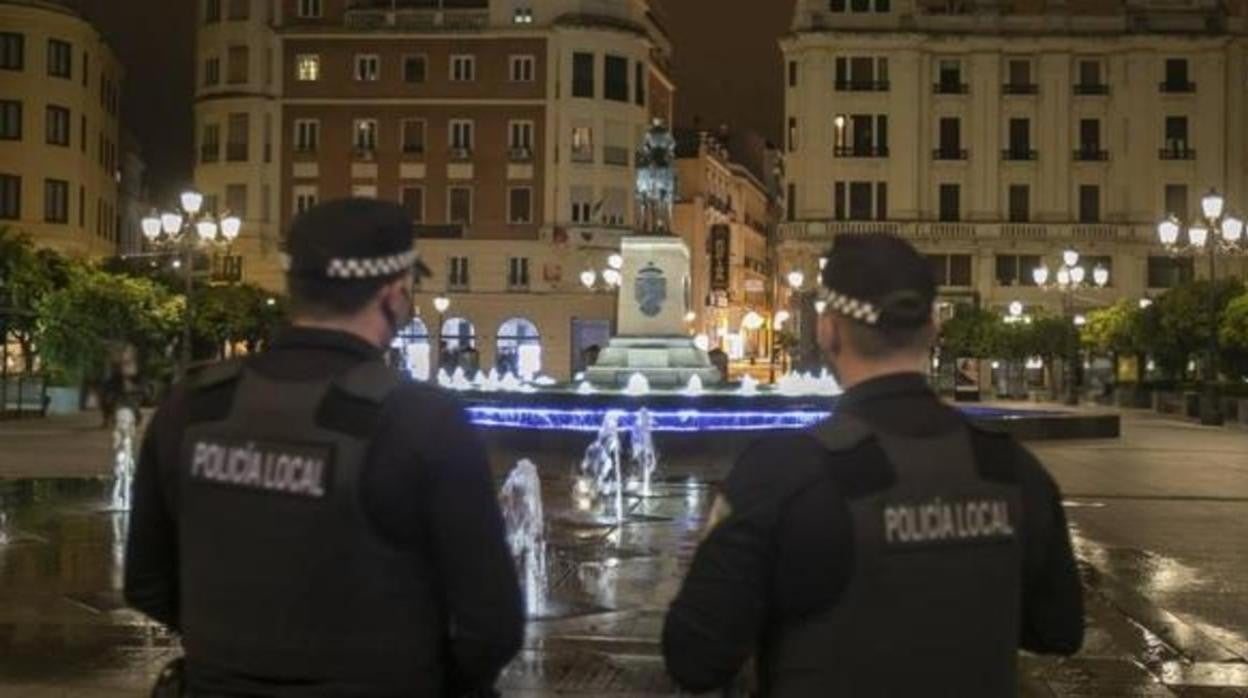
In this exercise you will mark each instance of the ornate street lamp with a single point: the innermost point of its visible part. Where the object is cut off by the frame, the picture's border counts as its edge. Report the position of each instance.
(1217, 234)
(1070, 278)
(185, 231)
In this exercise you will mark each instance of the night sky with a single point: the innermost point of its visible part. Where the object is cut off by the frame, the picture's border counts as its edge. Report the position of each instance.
(728, 71)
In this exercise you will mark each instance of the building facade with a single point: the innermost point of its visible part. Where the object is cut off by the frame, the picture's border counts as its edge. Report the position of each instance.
(60, 136)
(507, 128)
(996, 135)
(727, 216)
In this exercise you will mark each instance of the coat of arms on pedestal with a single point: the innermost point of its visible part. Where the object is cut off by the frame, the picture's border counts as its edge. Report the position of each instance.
(651, 290)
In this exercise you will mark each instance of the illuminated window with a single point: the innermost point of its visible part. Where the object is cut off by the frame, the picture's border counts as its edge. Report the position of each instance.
(308, 67)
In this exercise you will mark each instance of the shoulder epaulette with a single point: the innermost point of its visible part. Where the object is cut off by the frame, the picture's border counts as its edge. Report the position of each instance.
(372, 381)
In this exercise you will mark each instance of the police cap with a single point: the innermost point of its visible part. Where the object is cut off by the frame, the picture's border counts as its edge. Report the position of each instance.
(353, 240)
(880, 280)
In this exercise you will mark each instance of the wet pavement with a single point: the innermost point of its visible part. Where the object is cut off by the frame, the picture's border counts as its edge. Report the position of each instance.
(1160, 519)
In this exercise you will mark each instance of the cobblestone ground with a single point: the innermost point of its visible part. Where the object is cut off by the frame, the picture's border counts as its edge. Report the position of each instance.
(1159, 518)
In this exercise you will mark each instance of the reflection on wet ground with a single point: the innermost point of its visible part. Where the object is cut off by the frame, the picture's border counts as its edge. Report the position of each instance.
(64, 632)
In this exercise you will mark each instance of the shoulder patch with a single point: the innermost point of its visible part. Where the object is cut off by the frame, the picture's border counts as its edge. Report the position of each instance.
(372, 381)
(840, 432)
(217, 374)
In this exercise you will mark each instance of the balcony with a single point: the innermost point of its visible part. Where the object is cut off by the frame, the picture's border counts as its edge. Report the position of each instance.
(461, 154)
(417, 15)
(413, 150)
(1177, 153)
(520, 154)
(868, 151)
(1091, 154)
(226, 269)
(862, 86)
(989, 234)
(363, 154)
(1020, 154)
(951, 88)
(1091, 89)
(616, 155)
(1177, 86)
(946, 153)
(583, 155)
(1020, 88)
(209, 153)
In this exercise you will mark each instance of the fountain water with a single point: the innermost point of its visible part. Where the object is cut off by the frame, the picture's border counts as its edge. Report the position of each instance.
(521, 501)
(599, 476)
(638, 385)
(749, 386)
(644, 456)
(695, 387)
(123, 458)
(4, 526)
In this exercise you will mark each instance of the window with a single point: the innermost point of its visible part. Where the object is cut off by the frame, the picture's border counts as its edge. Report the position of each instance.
(1177, 146)
(950, 202)
(55, 201)
(308, 9)
(860, 201)
(838, 201)
(238, 138)
(881, 201)
(413, 199)
(304, 197)
(10, 120)
(210, 143)
(367, 67)
(57, 126)
(639, 84)
(461, 134)
(307, 135)
(236, 199)
(1177, 76)
(582, 144)
(10, 197)
(950, 139)
(1089, 203)
(60, 59)
(415, 69)
(364, 135)
(949, 77)
(523, 69)
(1020, 140)
(463, 68)
(266, 203)
(860, 5)
(518, 272)
(1176, 201)
(1090, 139)
(460, 206)
(308, 67)
(868, 134)
(458, 276)
(1168, 272)
(1016, 270)
(1090, 79)
(212, 72)
(583, 75)
(951, 269)
(520, 139)
(82, 207)
(519, 205)
(212, 11)
(239, 10)
(12, 51)
(582, 204)
(792, 73)
(1020, 203)
(1019, 72)
(522, 15)
(615, 82)
(883, 6)
(837, 5)
(790, 202)
(82, 133)
(238, 60)
(792, 134)
(414, 136)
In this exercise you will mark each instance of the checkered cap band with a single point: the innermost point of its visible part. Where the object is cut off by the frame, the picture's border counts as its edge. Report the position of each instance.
(853, 308)
(371, 268)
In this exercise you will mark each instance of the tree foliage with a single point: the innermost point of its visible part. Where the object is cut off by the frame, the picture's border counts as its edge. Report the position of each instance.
(27, 275)
(1233, 335)
(244, 314)
(971, 333)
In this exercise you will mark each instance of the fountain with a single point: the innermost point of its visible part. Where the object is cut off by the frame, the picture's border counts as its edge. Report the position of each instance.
(638, 385)
(644, 456)
(599, 476)
(695, 387)
(123, 458)
(521, 501)
(749, 386)
(4, 527)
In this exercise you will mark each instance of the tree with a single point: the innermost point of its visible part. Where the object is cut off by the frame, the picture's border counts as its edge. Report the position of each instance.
(971, 333)
(1233, 335)
(96, 312)
(236, 314)
(27, 275)
(1183, 328)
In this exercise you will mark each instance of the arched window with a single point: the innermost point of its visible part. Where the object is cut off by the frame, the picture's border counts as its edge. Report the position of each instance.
(459, 346)
(519, 348)
(412, 348)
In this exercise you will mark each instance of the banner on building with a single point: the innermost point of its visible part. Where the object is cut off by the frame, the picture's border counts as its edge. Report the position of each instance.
(721, 258)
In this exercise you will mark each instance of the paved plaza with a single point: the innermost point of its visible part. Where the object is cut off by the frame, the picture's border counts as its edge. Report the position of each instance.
(1160, 518)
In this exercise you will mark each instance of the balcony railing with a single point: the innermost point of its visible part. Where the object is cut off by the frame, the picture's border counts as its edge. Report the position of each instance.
(1177, 153)
(862, 86)
(951, 88)
(1091, 89)
(950, 154)
(869, 151)
(413, 149)
(1177, 86)
(209, 153)
(1020, 88)
(820, 230)
(461, 154)
(1091, 154)
(583, 155)
(616, 155)
(520, 154)
(424, 15)
(1025, 154)
(364, 154)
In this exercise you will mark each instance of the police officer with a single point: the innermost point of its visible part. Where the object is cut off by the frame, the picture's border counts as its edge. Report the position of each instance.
(894, 550)
(309, 523)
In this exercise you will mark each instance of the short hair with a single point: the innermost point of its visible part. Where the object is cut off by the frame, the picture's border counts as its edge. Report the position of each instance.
(886, 342)
(321, 298)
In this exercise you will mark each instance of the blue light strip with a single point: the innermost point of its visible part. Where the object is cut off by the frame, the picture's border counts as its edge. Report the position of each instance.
(548, 419)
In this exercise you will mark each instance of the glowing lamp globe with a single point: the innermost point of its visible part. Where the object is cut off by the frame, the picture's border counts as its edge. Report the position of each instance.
(1070, 258)
(230, 227)
(612, 277)
(441, 304)
(1168, 231)
(1080, 320)
(1232, 229)
(821, 306)
(207, 230)
(616, 262)
(1063, 277)
(589, 278)
(1040, 275)
(796, 279)
(151, 227)
(752, 321)
(192, 202)
(171, 223)
(1100, 275)
(1078, 274)
(1212, 204)
(781, 318)
(1016, 309)
(1198, 235)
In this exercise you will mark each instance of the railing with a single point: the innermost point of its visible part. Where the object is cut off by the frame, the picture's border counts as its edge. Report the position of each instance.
(1177, 153)
(862, 86)
(1085, 89)
(461, 154)
(1020, 88)
(819, 231)
(869, 151)
(209, 153)
(950, 154)
(951, 88)
(365, 16)
(583, 155)
(364, 154)
(413, 149)
(616, 155)
(1022, 231)
(1177, 86)
(520, 154)
(1089, 154)
(1019, 154)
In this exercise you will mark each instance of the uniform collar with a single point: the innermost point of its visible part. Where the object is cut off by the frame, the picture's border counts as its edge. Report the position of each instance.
(325, 339)
(892, 385)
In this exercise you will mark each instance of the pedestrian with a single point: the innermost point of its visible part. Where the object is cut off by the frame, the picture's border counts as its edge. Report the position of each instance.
(893, 550)
(311, 524)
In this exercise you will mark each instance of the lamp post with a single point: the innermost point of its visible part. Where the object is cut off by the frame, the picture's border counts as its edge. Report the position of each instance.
(440, 305)
(795, 280)
(1071, 277)
(1216, 233)
(184, 231)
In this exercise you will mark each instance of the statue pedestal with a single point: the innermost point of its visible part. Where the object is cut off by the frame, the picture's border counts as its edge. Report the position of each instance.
(653, 302)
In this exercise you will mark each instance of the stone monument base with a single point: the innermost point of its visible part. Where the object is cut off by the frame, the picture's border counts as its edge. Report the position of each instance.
(667, 362)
